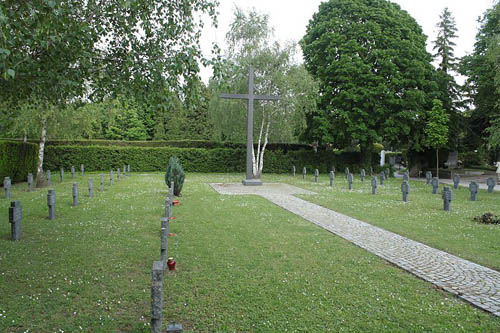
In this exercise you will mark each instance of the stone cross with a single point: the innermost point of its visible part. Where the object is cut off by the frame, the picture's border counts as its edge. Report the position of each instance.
(447, 196)
(491, 182)
(30, 182)
(316, 174)
(118, 174)
(72, 172)
(405, 189)
(91, 188)
(406, 176)
(363, 175)
(111, 177)
(168, 208)
(82, 169)
(164, 240)
(75, 194)
(157, 297)
(428, 177)
(61, 174)
(456, 181)
(332, 178)
(171, 192)
(349, 181)
(435, 185)
(250, 180)
(473, 187)
(294, 170)
(49, 178)
(102, 182)
(374, 185)
(15, 216)
(6, 187)
(382, 178)
(51, 202)
(304, 172)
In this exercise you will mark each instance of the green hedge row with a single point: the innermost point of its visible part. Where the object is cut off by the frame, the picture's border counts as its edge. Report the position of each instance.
(17, 159)
(98, 158)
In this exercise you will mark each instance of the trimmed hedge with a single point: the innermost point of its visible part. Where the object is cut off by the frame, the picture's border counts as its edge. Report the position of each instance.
(17, 159)
(98, 158)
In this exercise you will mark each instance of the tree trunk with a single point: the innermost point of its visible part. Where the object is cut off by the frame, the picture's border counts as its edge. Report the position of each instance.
(261, 158)
(437, 163)
(39, 168)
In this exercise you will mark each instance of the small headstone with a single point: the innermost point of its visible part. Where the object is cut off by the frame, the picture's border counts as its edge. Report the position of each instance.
(168, 208)
(349, 181)
(491, 182)
(174, 328)
(316, 174)
(428, 177)
(374, 185)
(82, 169)
(102, 182)
(15, 216)
(49, 178)
(91, 188)
(164, 240)
(405, 189)
(111, 177)
(435, 185)
(456, 181)
(124, 171)
(332, 178)
(406, 177)
(157, 297)
(304, 172)
(294, 170)
(171, 192)
(72, 172)
(30, 182)
(61, 174)
(473, 188)
(118, 174)
(382, 178)
(6, 187)
(363, 175)
(447, 196)
(51, 202)
(128, 169)
(75, 194)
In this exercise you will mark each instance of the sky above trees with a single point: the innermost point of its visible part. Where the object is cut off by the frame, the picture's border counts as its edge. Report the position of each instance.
(290, 17)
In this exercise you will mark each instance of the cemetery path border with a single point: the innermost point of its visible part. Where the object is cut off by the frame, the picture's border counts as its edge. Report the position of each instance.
(474, 283)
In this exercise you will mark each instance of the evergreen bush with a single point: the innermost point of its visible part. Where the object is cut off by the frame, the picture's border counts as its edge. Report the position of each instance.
(175, 173)
(17, 159)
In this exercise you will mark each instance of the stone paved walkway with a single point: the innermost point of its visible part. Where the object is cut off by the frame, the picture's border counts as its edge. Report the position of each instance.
(472, 282)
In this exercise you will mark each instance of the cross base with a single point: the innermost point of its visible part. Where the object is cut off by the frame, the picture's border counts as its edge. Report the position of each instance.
(252, 182)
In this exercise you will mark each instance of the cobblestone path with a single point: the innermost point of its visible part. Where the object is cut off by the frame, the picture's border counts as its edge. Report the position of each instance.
(474, 283)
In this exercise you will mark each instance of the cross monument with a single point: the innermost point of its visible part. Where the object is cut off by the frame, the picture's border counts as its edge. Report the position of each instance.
(250, 180)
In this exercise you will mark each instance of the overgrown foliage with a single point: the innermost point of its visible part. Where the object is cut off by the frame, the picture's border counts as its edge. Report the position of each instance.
(175, 173)
(488, 218)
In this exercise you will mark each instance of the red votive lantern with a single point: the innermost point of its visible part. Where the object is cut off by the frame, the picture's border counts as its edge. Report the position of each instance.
(176, 202)
(171, 234)
(171, 218)
(171, 264)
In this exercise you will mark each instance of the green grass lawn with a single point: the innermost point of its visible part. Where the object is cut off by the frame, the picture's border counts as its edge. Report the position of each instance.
(243, 263)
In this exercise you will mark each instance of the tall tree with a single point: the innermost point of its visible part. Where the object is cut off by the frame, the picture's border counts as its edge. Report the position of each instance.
(374, 71)
(56, 51)
(436, 129)
(449, 90)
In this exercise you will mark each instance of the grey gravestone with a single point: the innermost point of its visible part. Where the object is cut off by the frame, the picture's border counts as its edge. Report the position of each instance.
(304, 172)
(61, 174)
(72, 172)
(491, 182)
(168, 208)
(156, 297)
(51, 202)
(374, 185)
(294, 170)
(75, 194)
(164, 240)
(316, 174)
(405, 189)
(473, 187)
(118, 174)
(406, 176)
(447, 196)
(349, 181)
(49, 178)
(428, 177)
(6, 187)
(91, 188)
(30, 182)
(174, 328)
(382, 178)
(250, 180)
(171, 192)
(82, 169)
(332, 178)
(102, 182)
(363, 175)
(15, 216)
(456, 181)
(435, 185)
(128, 169)
(111, 177)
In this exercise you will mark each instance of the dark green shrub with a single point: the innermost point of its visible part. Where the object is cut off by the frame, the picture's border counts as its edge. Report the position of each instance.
(471, 159)
(17, 159)
(488, 218)
(175, 173)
